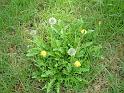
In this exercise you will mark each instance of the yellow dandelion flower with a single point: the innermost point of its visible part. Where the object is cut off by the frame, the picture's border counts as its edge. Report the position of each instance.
(43, 53)
(77, 64)
(83, 31)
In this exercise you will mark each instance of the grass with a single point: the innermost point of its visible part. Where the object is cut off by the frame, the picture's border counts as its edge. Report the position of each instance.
(17, 16)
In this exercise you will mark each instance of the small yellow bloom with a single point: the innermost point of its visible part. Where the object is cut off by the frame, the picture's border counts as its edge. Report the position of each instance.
(83, 31)
(77, 64)
(43, 53)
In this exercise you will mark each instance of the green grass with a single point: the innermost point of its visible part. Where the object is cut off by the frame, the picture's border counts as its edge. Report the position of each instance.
(16, 16)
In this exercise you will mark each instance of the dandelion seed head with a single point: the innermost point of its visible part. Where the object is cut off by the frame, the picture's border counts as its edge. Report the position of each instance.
(33, 32)
(71, 52)
(52, 21)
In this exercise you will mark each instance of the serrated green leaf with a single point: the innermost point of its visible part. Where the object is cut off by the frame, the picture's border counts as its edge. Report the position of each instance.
(87, 44)
(58, 43)
(47, 73)
(39, 43)
(33, 52)
(85, 69)
(58, 49)
(50, 84)
(34, 75)
(58, 87)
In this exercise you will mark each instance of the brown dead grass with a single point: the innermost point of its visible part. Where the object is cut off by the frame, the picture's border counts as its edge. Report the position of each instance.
(112, 64)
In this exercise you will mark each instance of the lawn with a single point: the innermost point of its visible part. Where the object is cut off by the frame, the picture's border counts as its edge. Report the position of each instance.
(23, 20)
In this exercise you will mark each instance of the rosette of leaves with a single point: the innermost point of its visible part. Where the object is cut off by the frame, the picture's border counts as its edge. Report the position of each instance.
(57, 69)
